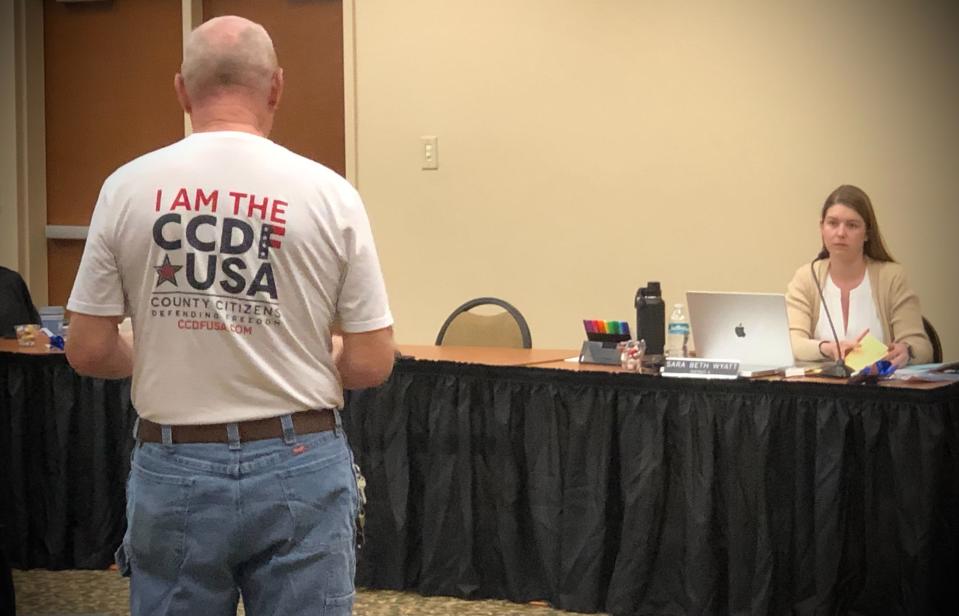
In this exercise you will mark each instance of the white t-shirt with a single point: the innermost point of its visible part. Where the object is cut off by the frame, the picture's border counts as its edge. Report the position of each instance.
(862, 312)
(233, 256)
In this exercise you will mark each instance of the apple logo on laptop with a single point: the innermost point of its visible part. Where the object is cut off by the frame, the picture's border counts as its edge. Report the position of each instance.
(740, 331)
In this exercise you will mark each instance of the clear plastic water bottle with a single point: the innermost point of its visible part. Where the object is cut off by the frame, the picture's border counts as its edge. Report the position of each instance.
(677, 338)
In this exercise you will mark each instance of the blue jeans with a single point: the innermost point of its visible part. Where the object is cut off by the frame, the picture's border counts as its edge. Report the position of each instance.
(272, 519)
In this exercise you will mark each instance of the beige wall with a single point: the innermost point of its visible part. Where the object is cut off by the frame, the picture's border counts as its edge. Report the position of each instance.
(22, 170)
(8, 139)
(588, 146)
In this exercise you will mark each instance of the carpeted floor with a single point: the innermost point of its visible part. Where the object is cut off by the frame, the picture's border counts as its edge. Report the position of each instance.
(104, 593)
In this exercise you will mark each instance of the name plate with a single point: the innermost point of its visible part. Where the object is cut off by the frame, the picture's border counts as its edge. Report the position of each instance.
(693, 367)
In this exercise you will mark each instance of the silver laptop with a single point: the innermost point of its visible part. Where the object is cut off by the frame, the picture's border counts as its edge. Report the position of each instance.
(749, 327)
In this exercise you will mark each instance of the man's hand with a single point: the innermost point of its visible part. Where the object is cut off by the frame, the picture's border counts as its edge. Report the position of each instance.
(337, 348)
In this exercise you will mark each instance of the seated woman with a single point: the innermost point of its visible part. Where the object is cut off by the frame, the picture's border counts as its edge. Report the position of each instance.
(16, 306)
(863, 287)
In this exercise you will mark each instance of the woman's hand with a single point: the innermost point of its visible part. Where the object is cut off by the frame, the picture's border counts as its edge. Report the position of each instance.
(898, 354)
(828, 348)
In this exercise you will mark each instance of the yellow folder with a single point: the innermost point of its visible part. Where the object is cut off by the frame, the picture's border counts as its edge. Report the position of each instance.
(869, 352)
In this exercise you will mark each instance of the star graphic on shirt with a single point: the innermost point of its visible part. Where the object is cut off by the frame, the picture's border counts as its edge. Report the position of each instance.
(167, 271)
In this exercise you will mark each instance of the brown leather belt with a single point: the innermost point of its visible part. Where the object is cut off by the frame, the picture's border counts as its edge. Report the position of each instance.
(304, 422)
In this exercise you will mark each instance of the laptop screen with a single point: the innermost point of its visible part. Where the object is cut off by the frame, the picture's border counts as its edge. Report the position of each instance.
(750, 327)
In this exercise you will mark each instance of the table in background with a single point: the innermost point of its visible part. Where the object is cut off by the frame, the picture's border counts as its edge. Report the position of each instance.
(592, 490)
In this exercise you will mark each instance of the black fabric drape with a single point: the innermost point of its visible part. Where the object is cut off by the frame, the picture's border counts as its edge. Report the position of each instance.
(596, 492)
(64, 458)
(638, 495)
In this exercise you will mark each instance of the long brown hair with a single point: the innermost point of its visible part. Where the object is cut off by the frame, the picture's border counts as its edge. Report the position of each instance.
(855, 198)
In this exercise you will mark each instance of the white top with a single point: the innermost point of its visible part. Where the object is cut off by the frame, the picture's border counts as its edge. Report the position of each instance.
(862, 312)
(233, 256)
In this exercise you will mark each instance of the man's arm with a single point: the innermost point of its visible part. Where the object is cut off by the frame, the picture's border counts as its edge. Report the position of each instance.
(365, 359)
(95, 348)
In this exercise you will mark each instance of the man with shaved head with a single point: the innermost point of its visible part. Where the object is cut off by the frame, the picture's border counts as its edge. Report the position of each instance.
(226, 60)
(255, 293)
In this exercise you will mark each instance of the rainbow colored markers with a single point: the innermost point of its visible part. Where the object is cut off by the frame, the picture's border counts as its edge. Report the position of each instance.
(594, 326)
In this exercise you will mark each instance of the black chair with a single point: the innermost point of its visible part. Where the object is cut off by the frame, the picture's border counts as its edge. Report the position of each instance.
(934, 339)
(505, 328)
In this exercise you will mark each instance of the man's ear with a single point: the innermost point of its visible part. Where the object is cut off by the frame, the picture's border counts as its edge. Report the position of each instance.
(181, 95)
(276, 89)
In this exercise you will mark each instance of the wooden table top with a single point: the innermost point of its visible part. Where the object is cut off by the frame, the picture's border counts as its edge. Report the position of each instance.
(490, 356)
(500, 356)
(575, 366)
(911, 384)
(39, 348)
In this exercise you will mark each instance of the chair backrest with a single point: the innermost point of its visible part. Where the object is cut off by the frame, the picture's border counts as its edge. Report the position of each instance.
(507, 328)
(934, 339)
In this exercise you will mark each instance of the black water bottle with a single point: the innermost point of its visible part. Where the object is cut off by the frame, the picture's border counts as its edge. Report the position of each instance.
(651, 322)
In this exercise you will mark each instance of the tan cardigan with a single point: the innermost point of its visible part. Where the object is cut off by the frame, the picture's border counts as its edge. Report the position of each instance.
(896, 303)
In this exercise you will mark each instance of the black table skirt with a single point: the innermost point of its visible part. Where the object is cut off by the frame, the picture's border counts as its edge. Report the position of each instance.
(65, 444)
(596, 492)
(639, 495)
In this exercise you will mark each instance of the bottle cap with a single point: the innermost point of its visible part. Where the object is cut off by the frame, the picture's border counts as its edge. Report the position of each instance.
(652, 288)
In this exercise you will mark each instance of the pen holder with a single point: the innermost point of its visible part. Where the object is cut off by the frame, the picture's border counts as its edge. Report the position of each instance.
(613, 338)
(600, 352)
